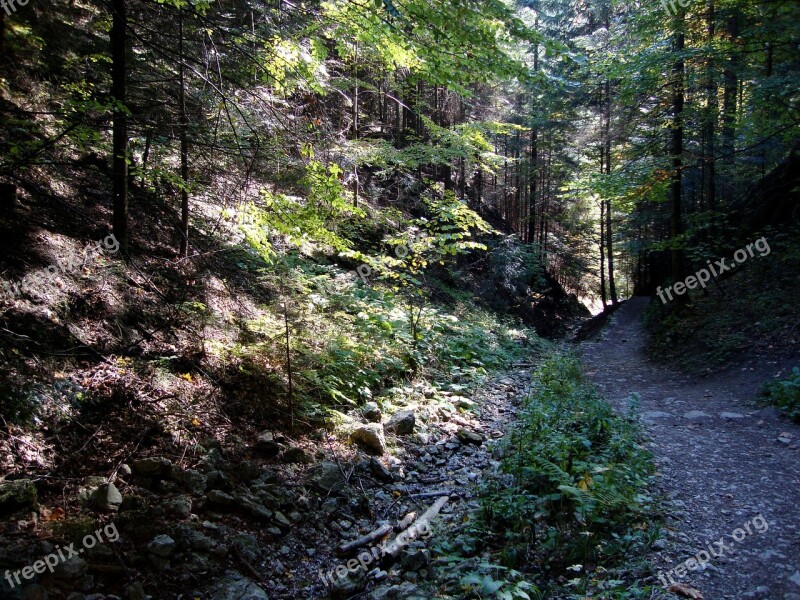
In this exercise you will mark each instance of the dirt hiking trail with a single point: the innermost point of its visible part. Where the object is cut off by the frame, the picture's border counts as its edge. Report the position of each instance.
(723, 463)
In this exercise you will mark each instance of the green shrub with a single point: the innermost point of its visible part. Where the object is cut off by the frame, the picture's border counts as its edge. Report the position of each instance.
(785, 394)
(572, 487)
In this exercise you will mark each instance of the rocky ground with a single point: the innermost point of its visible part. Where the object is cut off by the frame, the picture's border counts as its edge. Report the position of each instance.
(723, 462)
(266, 519)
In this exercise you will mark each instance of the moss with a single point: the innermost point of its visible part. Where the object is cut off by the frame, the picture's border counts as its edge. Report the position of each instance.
(15, 495)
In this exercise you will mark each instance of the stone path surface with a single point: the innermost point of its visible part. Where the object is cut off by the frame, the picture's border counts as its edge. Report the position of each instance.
(723, 465)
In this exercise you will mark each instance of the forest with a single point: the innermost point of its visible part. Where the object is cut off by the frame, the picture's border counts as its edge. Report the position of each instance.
(399, 299)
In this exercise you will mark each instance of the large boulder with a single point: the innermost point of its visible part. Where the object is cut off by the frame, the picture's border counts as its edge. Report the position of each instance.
(370, 436)
(267, 444)
(328, 478)
(371, 412)
(402, 422)
(107, 498)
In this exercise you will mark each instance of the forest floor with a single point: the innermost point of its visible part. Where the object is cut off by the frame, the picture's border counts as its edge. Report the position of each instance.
(727, 468)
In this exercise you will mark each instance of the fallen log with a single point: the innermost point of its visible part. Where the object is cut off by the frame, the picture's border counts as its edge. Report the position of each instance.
(421, 525)
(364, 540)
(406, 521)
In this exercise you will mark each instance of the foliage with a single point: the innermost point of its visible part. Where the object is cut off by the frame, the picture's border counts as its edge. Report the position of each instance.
(573, 482)
(352, 342)
(785, 394)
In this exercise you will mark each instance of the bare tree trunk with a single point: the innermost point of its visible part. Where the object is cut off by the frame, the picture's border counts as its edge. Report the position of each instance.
(612, 288)
(729, 94)
(184, 145)
(676, 227)
(120, 126)
(602, 254)
(709, 171)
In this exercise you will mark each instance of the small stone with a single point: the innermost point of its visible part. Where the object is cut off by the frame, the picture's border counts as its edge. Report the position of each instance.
(236, 587)
(180, 506)
(70, 570)
(377, 574)
(731, 415)
(124, 470)
(162, 546)
(135, 591)
(370, 436)
(379, 471)
(282, 521)
(217, 480)
(463, 402)
(193, 481)
(267, 444)
(402, 422)
(697, 415)
(469, 437)
(328, 477)
(107, 498)
(254, 508)
(157, 467)
(220, 498)
(371, 412)
(651, 415)
(296, 455)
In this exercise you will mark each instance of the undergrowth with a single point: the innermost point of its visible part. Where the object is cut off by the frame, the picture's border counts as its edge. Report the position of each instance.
(350, 341)
(785, 394)
(568, 507)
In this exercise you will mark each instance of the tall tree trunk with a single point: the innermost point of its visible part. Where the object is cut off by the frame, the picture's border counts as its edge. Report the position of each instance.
(709, 171)
(676, 227)
(120, 127)
(602, 254)
(533, 174)
(518, 185)
(729, 95)
(534, 152)
(184, 145)
(612, 287)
